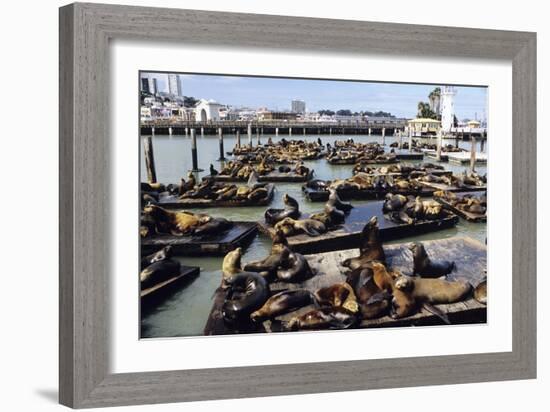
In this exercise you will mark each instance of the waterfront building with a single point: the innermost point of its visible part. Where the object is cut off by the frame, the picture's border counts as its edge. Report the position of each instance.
(207, 110)
(174, 85)
(285, 116)
(447, 107)
(423, 126)
(473, 124)
(298, 106)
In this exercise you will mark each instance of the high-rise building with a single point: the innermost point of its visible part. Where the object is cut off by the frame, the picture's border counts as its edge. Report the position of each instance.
(174, 85)
(298, 106)
(447, 107)
(145, 85)
(153, 88)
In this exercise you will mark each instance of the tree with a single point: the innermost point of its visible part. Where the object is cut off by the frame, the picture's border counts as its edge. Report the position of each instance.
(343, 112)
(326, 112)
(425, 112)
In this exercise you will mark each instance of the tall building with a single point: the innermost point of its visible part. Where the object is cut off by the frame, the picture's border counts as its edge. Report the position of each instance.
(145, 85)
(298, 106)
(447, 107)
(174, 85)
(153, 88)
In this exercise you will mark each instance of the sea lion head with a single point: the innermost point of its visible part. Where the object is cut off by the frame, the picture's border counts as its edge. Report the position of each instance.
(404, 283)
(232, 261)
(204, 219)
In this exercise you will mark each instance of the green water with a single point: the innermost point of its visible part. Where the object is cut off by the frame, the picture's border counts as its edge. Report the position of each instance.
(185, 313)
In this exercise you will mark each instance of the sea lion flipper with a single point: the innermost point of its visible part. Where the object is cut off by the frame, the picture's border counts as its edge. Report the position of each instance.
(378, 297)
(437, 312)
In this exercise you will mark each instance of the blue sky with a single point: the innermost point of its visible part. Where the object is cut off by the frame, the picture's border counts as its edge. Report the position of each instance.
(399, 99)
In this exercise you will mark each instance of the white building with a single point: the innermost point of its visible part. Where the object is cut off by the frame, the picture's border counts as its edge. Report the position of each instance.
(174, 85)
(207, 110)
(298, 106)
(447, 107)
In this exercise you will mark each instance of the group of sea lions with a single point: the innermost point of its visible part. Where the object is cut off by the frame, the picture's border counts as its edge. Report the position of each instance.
(381, 290)
(241, 170)
(447, 148)
(158, 267)
(409, 209)
(405, 169)
(364, 181)
(284, 151)
(349, 152)
(472, 203)
(157, 220)
(290, 222)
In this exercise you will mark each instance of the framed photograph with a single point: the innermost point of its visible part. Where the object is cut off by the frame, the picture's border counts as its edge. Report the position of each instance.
(256, 205)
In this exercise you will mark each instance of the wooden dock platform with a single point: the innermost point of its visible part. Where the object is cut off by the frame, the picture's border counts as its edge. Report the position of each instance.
(365, 194)
(447, 188)
(469, 216)
(461, 158)
(275, 176)
(240, 234)
(469, 255)
(348, 234)
(175, 203)
(406, 155)
(151, 297)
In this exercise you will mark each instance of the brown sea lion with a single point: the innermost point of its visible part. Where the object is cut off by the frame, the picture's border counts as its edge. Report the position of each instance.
(175, 223)
(163, 254)
(270, 264)
(425, 267)
(283, 302)
(480, 292)
(294, 267)
(231, 265)
(310, 227)
(247, 292)
(291, 209)
(214, 225)
(334, 200)
(158, 272)
(324, 318)
(279, 242)
(394, 202)
(338, 295)
(370, 246)
(373, 301)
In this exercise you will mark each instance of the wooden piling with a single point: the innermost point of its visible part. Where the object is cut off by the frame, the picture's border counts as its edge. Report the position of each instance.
(238, 138)
(150, 159)
(277, 131)
(439, 142)
(410, 139)
(194, 158)
(383, 136)
(370, 131)
(202, 132)
(220, 134)
(400, 140)
(257, 136)
(249, 134)
(290, 131)
(472, 153)
(186, 131)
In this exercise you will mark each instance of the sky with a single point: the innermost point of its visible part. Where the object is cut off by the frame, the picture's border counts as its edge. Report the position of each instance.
(400, 99)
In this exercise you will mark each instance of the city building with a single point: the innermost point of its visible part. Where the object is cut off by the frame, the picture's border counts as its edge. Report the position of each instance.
(145, 85)
(421, 126)
(298, 106)
(447, 107)
(207, 110)
(174, 85)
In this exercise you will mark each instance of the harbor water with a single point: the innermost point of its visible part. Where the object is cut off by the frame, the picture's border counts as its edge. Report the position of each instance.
(185, 313)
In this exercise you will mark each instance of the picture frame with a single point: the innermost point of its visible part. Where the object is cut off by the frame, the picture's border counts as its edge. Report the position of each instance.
(85, 33)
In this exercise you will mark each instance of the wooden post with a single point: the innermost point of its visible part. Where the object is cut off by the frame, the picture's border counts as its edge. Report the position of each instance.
(370, 131)
(186, 131)
(170, 130)
(257, 136)
(304, 130)
(383, 136)
(202, 132)
(472, 153)
(456, 138)
(249, 134)
(277, 131)
(290, 131)
(330, 131)
(220, 134)
(410, 139)
(153, 130)
(194, 158)
(238, 138)
(150, 159)
(439, 142)
(482, 143)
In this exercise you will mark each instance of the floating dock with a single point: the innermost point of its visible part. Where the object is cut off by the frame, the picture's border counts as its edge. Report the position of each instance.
(348, 234)
(406, 155)
(281, 177)
(461, 158)
(469, 216)
(469, 255)
(362, 161)
(171, 202)
(154, 295)
(455, 189)
(240, 234)
(362, 194)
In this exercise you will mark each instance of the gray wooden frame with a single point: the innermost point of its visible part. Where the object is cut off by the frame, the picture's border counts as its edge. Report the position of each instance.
(85, 31)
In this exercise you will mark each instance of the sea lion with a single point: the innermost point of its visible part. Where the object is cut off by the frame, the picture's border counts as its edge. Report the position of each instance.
(227, 193)
(213, 172)
(163, 254)
(214, 225)
(231, 265)
(270, 264)
(334, 200)
(158, 272)
(311, 227)
(370, 246)
(394, 202)
(480, 292)
(324, 318)
(257, 194)
(294, 267)
(247, 293)
(175, 223)
(283, 302)
(336, 215)
(292, 210)
(189, 185)
(338, 295)
(425, 267)
(373, 302)
(434, 291)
